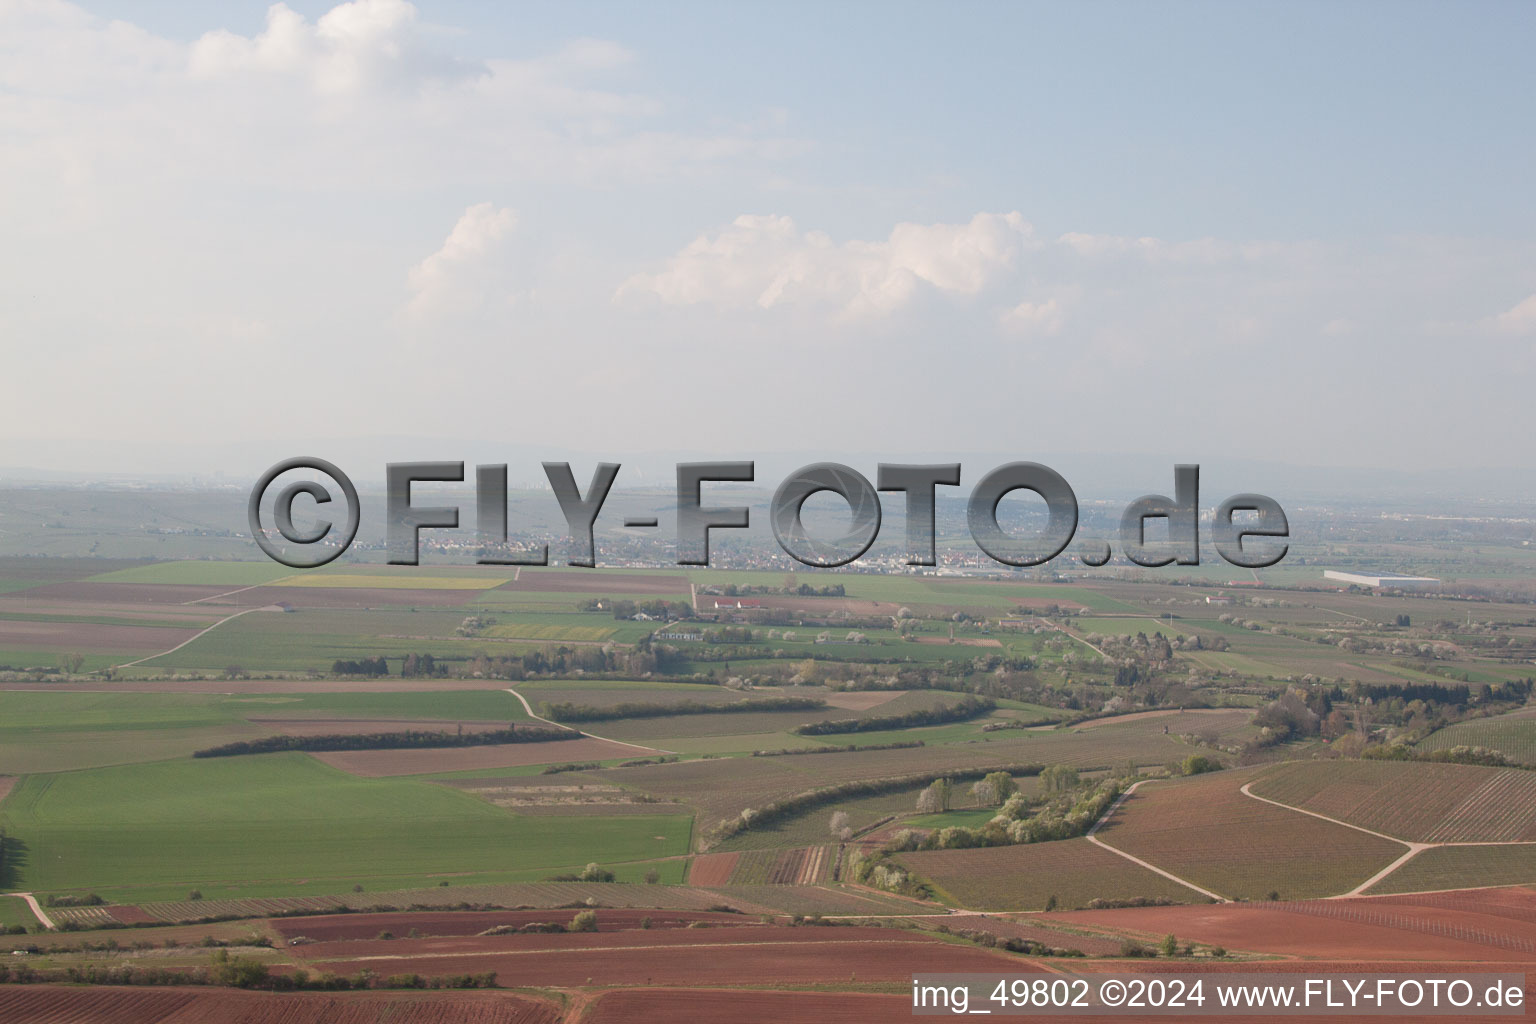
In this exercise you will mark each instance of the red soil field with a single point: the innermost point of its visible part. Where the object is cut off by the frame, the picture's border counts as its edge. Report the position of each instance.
(91, 636)
(696, 957)
(1498, 927)
(375, 763)
(38, 1004)
(1024, 928)
(366, 927)
(132, 915)
(663, 1006)
(561, 582)
(707, 868)
(232, 686)
(653, 1006)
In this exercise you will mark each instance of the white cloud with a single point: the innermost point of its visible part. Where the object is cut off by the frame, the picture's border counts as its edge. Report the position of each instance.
(766, 262)
(1520, 319)
(352, 47)
(456, 279)
(1034, 318)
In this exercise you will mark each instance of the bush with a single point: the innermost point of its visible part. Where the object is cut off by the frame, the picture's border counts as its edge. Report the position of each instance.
(585, 921)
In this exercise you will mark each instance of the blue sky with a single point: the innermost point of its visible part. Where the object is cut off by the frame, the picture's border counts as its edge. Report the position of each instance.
(1147, 220)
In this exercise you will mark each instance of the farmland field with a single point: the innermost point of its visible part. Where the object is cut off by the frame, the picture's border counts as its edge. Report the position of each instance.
(104, 785)
(235, 819)
(1456, 867)
(38, 1005)
(1204, 830)
(1513, 735)
(1429, 803)
(1025, 877)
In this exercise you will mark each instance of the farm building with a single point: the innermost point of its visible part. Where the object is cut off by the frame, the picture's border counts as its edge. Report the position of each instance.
(735, 604)
(1380, 579)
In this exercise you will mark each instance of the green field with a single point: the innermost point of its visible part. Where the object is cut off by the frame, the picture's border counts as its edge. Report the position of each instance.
(152, 831)
(1513, 735)
(14, 911)
(63, 730)
(1461, 867)
(200, 573)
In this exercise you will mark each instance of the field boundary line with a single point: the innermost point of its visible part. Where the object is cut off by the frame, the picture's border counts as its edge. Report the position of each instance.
(37, 910)
(1243, 789)
(1092, 837)
(240, 590)
(216, 625)
(540, 718)
(1414, 849)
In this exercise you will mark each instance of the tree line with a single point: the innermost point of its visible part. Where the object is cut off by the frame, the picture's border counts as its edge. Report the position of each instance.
(409, 739)
(756, 817)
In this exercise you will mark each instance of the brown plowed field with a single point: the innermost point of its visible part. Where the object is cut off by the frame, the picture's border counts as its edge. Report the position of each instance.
(375, 763)
(1206, 830)
(813, 605)
(664, 1006)
(703, 956)
(6, 784)
(191, 614)
(132, 915)
(862, 700)
(359, 597)
(555, 581)
(91, 636)
(1468, 927)
(99, 594)
(708, 868)
(366, 927)
(39, 1004)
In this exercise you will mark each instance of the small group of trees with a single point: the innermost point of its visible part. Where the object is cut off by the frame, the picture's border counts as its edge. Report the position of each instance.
(1059, 778)
(370, 667)
(936, 797)
(994, 788)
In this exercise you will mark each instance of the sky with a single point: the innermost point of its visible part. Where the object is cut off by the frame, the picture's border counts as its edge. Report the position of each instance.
(1302, 233)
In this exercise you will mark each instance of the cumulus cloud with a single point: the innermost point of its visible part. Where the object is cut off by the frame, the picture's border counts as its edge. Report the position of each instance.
(459, 277)
(1519, 319)
(767, 262)
(366, 43)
